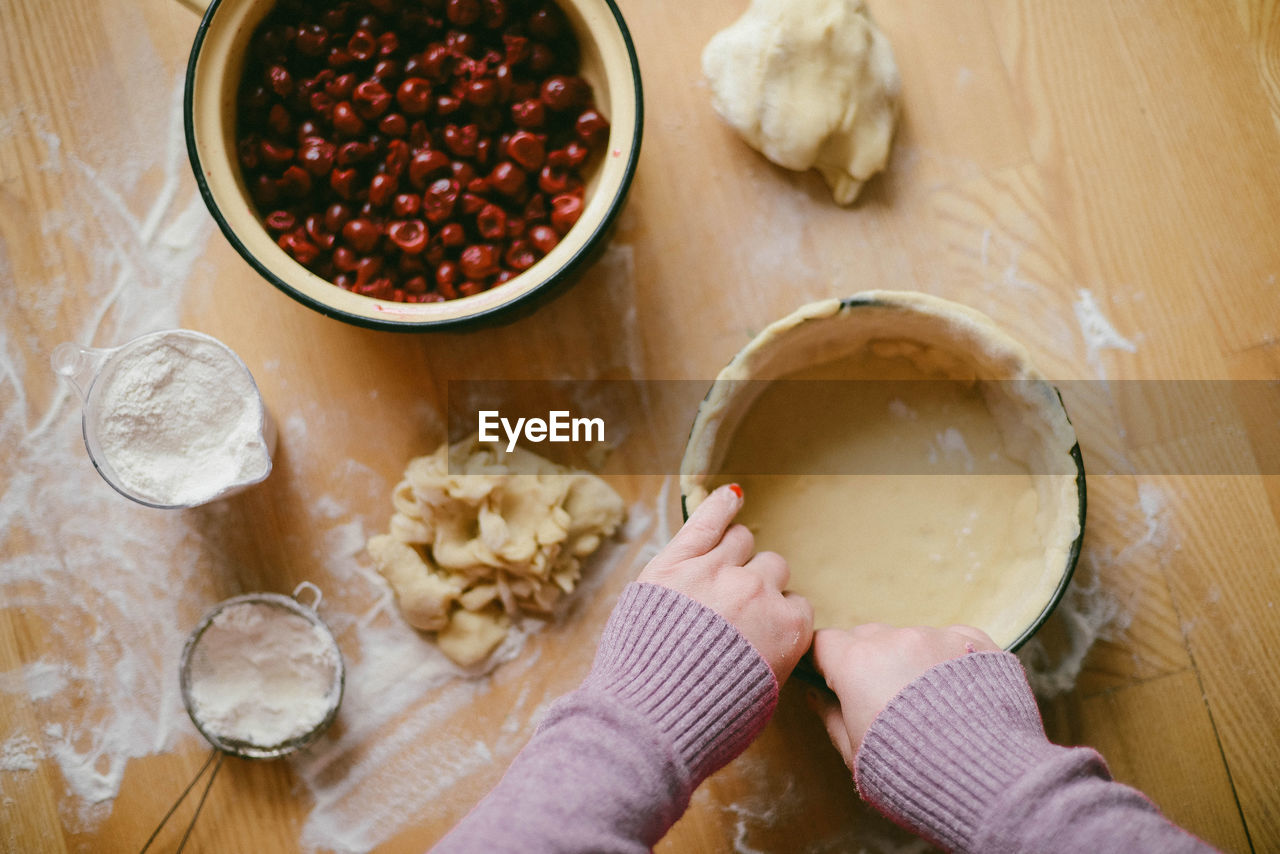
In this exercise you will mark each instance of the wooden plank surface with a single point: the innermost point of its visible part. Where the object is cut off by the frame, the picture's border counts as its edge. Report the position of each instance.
(1116, 156)
(1142, 719)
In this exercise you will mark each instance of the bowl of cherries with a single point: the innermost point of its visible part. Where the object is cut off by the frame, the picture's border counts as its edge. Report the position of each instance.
(414, 164)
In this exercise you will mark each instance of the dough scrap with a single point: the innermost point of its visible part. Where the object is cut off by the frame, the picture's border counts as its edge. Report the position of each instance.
(809, 84)
(472, 636)
(426, 596)
(480, 536)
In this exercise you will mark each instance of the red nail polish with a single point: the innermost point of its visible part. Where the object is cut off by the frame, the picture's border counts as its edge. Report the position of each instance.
(737, 490)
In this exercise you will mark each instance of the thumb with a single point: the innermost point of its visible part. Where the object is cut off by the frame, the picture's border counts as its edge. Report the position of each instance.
(707, 524)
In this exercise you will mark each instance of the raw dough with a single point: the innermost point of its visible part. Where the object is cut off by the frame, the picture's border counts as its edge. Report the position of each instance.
(937, 488)
(481, 535)
(809, 84)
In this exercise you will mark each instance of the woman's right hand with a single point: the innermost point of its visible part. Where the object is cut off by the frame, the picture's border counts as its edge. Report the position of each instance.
(715, 563)
(868, 665)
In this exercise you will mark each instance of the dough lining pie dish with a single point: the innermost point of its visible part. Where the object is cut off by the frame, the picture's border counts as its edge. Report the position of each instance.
(908, 460)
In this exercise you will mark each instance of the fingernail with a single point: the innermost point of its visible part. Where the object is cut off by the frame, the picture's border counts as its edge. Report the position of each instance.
(737, 490)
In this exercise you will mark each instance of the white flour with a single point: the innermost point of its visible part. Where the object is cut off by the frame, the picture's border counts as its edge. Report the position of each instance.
(19, 753)
(114, 587)
(178, 418)
(1098, 332)
(262, 674)
(1090, 611)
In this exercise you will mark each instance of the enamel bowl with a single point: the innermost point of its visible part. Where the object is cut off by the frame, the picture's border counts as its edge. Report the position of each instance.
(608, 63)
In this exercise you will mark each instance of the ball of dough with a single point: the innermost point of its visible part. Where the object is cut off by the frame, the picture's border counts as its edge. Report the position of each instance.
(811, 84)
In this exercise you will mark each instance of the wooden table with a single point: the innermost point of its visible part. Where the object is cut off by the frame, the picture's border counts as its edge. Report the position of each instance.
(1119, 152)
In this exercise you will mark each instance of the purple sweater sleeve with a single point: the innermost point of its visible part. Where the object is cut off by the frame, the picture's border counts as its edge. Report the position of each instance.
(960, 757)
(675, 693)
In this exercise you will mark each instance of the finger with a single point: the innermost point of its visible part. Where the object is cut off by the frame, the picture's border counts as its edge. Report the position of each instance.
(735, 547)
(707, 524)
(772, 567)
(831, 648)
(828, 710)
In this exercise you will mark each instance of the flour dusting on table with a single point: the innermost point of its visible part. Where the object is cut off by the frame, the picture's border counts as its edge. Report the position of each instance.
(1098, 332)
(20, 753)
(95, 571)
(768, 800)
(1090, 611)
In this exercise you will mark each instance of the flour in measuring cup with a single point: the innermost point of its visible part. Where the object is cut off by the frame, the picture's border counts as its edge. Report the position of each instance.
(262, 674)
(178, 419)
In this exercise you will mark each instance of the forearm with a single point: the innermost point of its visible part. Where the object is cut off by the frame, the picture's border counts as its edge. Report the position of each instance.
(675, 692)
(960, 756)
(1069, 803)
(595, 777)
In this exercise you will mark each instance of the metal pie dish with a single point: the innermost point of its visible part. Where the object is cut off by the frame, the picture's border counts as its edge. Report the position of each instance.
(831, 330)
(214, 69)
(291, 605)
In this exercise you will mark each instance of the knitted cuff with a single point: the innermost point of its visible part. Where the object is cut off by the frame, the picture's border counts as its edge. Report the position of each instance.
(688, 671)
(949, 744)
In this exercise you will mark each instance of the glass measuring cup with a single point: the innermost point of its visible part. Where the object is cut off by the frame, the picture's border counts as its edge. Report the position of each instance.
(84, 367)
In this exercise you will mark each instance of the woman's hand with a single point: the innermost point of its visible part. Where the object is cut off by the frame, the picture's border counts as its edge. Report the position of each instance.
(714, 563)
(868, 665)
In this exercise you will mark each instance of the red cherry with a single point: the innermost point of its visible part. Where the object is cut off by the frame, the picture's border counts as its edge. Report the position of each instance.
(370, 99)
(519, 255)
(491, 222)
(425, 164)
(453, 235)
(591, 127)
(406, 204)
(414, 96)
(317, 157)
(410, 235)
(561, 92)
(527, 149)
(565, 211)
(381, 189)
(531, 113)
(394, 124)
(345, 120)
(479, 261)
(361, 234)
(507, 178)
(461, 140)
(280, 220)
(463, 13)
(439, 200)
(543, 237)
